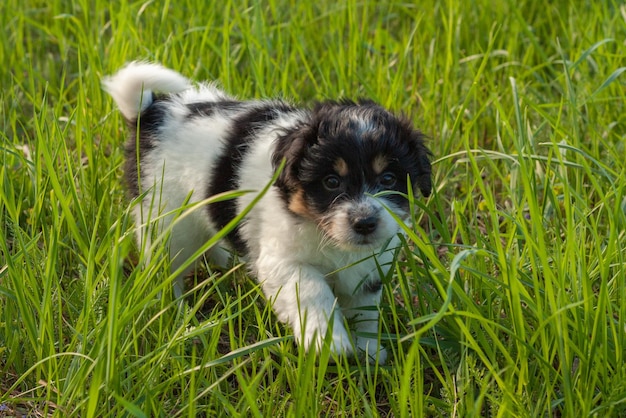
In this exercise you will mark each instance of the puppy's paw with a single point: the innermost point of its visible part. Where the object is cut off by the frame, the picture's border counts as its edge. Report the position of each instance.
(340, 342)
(315, 338)
(369, 349)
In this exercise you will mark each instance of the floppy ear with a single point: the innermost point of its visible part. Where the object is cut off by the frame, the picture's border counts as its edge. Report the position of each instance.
(420, 154)
(292, 148)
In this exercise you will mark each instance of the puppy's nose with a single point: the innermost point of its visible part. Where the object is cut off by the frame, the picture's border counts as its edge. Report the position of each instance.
(365, 225)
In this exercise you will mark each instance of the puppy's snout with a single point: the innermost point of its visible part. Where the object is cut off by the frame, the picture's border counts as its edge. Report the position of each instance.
(365, 225)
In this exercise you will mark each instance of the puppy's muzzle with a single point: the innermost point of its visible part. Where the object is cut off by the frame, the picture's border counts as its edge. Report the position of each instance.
(365, 225)
(364, 218)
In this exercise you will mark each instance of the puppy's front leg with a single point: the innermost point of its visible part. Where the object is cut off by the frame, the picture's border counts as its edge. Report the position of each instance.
(362, 308)
(301, 297)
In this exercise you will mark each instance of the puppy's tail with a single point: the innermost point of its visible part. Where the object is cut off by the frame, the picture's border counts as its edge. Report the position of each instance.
(132, 86)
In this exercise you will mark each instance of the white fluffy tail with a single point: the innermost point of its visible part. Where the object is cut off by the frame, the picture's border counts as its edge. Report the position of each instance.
(132, 86)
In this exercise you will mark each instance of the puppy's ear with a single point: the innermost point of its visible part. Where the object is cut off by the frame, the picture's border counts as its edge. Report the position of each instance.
(292, 148)
(420, 154)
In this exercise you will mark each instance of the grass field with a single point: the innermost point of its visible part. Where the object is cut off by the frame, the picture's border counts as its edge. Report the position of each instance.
(509, 298)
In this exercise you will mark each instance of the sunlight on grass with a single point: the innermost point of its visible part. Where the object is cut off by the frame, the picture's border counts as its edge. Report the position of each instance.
(507, 298)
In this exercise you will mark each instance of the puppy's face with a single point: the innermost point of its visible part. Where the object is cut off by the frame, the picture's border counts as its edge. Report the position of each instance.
(337, 163)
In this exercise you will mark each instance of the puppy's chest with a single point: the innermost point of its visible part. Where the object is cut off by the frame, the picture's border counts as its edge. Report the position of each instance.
(350, 277)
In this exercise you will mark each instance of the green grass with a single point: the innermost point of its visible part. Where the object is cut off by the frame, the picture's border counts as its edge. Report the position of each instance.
(509, 299)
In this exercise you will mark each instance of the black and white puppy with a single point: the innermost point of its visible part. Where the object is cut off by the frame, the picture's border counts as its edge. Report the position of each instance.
(318, 240)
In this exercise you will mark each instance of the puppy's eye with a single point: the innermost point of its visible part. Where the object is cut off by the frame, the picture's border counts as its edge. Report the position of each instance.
(331, 182)
(387, 180)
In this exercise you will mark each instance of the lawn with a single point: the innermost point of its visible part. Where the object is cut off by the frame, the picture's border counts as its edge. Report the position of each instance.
(507, 299)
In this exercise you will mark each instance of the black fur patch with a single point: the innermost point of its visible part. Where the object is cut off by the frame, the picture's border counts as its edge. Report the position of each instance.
(358, 133)
(203, 109)
(373, 286)
(224, 177)
(143, 130)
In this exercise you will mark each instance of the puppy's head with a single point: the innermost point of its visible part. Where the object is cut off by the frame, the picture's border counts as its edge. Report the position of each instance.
(345, 153)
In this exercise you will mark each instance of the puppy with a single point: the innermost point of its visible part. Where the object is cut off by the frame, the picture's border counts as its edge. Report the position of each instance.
(320, 237)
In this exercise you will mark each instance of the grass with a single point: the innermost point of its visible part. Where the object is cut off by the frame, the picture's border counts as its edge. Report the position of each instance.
(508, 300)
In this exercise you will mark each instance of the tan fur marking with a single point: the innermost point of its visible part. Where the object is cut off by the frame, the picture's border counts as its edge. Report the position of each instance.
(298, 205)
(379, 163)
(341, 167)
